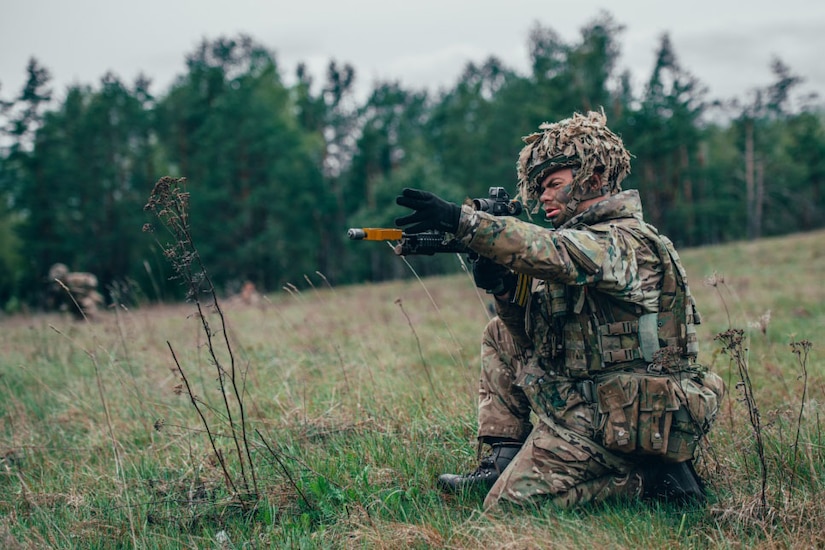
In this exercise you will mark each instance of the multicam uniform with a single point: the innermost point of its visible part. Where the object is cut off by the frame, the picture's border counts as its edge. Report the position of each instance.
(603, 352)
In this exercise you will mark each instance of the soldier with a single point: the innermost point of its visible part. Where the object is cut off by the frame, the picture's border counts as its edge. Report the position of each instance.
(595, 333)
(75, 292)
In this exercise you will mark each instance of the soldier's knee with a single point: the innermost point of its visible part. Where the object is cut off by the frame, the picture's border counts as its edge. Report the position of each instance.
(494, 328)
(497, 337)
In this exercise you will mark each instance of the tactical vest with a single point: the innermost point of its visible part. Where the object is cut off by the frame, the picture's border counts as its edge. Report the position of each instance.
(579, 332)
(634, 368)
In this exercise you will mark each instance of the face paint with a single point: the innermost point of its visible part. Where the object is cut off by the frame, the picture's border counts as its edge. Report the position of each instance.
(565, 193)
(557, 191)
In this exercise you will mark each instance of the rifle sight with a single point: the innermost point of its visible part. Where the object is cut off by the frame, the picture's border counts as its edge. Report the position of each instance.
(498, 203)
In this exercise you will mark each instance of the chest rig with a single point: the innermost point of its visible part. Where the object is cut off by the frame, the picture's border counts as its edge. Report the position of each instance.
(579, 332)
(622, 377)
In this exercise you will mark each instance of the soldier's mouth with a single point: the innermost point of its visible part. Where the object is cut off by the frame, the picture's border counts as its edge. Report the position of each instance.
(551, 213)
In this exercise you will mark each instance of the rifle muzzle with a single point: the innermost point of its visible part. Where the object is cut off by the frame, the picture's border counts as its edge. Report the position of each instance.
(374, 234)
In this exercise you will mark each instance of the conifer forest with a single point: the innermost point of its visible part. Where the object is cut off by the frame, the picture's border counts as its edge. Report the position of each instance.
(278, 165)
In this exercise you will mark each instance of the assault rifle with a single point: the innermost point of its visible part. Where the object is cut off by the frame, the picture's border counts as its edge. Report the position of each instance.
(498, 203)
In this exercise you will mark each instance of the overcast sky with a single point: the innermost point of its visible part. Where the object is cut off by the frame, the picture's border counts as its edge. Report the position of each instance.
(727, 44)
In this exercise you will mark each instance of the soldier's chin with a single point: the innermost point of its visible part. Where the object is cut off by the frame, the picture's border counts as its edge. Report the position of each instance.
(554, 220)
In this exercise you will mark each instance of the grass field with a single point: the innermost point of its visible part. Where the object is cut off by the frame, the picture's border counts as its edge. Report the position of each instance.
(356, 398)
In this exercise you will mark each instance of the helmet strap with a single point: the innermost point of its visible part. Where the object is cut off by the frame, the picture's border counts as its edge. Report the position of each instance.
(570, 207)
(577, 198)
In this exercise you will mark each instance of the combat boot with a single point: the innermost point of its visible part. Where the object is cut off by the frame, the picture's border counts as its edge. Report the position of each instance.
(677, 483)
(488, 471)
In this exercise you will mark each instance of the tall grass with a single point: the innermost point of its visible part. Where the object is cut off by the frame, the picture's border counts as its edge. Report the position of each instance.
(356, 398)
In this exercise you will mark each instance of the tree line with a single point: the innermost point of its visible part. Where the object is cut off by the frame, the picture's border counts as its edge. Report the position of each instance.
(277, 171)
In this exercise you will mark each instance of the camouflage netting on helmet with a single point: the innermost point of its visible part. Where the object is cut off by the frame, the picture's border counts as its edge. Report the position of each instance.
(583, 141)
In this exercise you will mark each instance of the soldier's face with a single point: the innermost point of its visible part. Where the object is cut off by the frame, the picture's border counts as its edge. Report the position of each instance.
(557, 190)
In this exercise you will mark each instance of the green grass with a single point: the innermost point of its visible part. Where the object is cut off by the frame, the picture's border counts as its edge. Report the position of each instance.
(357, 398)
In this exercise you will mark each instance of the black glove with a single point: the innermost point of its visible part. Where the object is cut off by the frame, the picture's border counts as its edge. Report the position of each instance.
(431, 212)
(495, 278)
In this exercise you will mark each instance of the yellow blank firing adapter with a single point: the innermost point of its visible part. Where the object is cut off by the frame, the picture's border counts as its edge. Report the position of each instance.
(374, 234)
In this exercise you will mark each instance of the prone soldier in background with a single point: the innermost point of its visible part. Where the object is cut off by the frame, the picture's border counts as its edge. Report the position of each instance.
(602, 349)
(75, 292)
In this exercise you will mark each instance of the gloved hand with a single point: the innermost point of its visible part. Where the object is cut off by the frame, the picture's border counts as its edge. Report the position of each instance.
(431, 212)
(495, 278)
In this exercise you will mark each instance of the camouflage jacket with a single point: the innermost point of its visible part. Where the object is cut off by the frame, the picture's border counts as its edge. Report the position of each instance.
(608, 291)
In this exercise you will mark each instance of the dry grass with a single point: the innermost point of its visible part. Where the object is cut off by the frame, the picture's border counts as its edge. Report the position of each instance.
(361, 396)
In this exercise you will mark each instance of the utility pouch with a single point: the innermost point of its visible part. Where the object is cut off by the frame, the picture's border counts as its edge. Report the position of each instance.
(618, 399)
(657, 403)
(658, 415)
(700, 400)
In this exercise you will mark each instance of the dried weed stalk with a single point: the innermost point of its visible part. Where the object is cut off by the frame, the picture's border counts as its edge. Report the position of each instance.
(733, 345)
(801, 349)
(400, 304)
(170, 205)
(786, 508)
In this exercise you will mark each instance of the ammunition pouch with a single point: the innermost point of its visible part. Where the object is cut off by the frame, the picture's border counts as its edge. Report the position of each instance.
(654, 415)
(700, 397)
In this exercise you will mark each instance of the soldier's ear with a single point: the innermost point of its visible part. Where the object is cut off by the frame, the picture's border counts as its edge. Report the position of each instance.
(596, 181)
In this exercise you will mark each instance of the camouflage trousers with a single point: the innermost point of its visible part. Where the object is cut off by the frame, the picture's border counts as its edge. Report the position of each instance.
(549, 466)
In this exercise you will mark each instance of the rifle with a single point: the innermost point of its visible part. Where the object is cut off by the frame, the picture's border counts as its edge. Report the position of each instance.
(498, 203)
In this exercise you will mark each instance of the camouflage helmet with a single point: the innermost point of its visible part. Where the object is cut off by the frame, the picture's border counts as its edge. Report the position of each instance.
(58, 271)
(583, 142)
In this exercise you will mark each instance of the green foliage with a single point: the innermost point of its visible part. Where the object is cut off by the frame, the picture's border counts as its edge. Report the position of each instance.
(10, 261)
(252, 170)
(78, 191)
(278, 171)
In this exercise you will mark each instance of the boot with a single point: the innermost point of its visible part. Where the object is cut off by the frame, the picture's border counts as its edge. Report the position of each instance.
(677, 483)
(486, 474)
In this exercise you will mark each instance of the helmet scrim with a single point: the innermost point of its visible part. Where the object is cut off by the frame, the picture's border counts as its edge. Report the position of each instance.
(583, 142)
